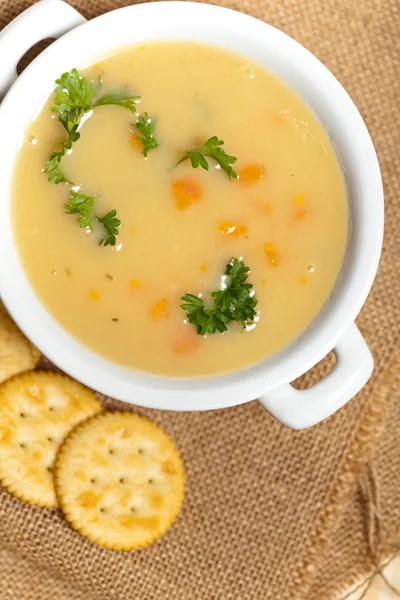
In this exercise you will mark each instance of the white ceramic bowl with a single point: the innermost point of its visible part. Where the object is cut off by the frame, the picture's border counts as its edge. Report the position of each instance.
(334, 326)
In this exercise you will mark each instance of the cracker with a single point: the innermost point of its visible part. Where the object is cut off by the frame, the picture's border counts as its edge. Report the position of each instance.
(16, 353)
(37, 410)
(120, 480)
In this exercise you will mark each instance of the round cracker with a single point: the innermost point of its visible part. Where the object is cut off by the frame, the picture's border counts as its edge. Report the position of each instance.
(120, 480)
(37, 410)
(17, 354)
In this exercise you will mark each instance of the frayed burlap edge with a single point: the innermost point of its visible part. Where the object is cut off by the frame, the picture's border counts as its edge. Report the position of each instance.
(362, 450)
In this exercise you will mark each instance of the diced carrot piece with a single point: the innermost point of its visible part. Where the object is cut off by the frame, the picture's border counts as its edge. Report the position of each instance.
(271, 254)
(135, 142)
(186, 344)
(300, 211)
(94, 295)
(160, 309)
(299, 199)
(186, 192)
(134, 283)
(251, 174)
(300, 214)
(231, 229)
(280, 118)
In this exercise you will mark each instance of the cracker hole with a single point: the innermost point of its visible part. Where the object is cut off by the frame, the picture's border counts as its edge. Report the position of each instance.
(111, 451)
(151, 481)
(50, 439)
(93, 480)
(140, 451)
(51, 408)
(22, 445)
(50, 469)
(102, 509)
(23, 415)
(122, 479)
(132, 509)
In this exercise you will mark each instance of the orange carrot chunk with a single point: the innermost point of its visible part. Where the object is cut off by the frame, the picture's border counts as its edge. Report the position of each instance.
(299, 199)
(271, 254)
(251, 174)
(94, 295)
(160, 309)
(279, 118)
(135, 142)
(186, 344)
(231, 229)
(186, 192)
(300, 214)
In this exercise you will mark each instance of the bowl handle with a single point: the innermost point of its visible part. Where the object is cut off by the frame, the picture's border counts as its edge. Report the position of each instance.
(299, 409)
(46, 19)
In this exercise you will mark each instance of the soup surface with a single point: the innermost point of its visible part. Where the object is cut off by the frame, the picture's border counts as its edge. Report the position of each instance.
(285, 216)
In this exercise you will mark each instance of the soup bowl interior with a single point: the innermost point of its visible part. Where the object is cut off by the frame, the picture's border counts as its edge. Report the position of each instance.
(293, 64)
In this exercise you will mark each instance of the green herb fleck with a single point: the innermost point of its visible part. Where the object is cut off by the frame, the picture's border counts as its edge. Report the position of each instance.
(127, 101)
(73, 96)
(110, 223)
(235, 301)
(53, 167)
(79, 204)
(146, 125)
(211, 149)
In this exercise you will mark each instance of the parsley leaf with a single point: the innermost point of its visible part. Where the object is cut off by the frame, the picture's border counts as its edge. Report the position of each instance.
(235, 301)
(127, 101)
(83, 206)
(211, 149)
(146, 125)
(206, 320)
(73, 96)
(52, 167)
(110, 223)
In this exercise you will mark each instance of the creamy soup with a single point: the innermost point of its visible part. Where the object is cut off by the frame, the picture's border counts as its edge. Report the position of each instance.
(284, 215)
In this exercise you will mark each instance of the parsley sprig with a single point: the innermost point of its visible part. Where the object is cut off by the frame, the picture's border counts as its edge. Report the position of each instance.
(79, 204)
(211, 149)
(118, 99)
(74, 98)
(82, 205)
(110, 223)
(234, 301)
(53, 165)
(146, 126)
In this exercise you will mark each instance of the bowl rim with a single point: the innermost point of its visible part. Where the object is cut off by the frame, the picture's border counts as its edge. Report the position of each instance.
(315, 342)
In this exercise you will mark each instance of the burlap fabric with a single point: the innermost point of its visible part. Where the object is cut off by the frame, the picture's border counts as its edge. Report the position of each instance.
(270, 513)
